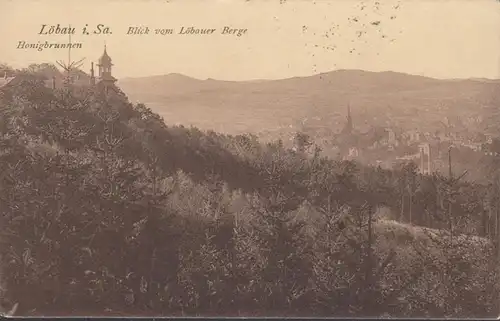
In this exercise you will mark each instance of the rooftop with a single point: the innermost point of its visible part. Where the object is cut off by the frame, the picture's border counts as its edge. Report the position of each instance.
(105, 58)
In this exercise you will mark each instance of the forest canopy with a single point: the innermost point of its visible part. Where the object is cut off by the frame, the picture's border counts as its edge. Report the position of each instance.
(107, 210)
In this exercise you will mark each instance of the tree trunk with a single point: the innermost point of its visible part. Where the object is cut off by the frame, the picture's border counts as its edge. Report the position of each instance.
(410, 205)
(497, 227)
(401, 214)
(369, 265)
(484, 224)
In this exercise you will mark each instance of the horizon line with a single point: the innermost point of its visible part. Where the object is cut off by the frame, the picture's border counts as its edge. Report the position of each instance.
(478, 79)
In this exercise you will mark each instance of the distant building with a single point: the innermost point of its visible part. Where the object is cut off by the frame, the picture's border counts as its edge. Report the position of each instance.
(105, 77)
(347, 137)
(412, 136)
(75, 77)
(474, 146)
(392, 137)
(348, 128)
(353, 152)
(425, 159)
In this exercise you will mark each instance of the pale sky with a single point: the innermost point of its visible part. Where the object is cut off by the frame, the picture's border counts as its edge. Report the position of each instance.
(441, 39)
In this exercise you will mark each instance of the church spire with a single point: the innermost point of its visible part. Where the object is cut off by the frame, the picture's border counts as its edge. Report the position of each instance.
(348, 126)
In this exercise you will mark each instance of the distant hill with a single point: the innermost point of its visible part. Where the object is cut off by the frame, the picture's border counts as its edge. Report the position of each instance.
(381, 98)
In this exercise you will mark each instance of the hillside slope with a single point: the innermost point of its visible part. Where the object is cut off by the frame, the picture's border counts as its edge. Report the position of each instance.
(275, 105)
(106, 210)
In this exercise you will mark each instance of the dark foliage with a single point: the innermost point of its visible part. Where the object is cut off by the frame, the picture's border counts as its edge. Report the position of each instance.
(106, 210)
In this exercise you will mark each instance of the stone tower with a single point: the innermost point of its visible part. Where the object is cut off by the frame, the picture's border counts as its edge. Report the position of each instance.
(104, 66)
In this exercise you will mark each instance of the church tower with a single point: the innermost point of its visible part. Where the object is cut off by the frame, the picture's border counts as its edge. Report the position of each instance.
(104, 66)
(348, 126)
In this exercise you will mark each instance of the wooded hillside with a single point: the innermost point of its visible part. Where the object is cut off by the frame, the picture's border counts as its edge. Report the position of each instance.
(107, 210)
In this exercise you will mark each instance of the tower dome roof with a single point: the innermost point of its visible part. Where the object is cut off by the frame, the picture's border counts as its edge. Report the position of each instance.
(105, 58)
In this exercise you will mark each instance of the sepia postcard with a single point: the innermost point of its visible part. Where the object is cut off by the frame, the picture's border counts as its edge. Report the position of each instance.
(250, 158)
